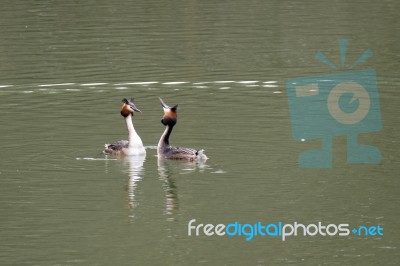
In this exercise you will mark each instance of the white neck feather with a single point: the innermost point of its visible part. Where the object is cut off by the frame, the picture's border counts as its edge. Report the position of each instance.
(161, 143)
(135, 143)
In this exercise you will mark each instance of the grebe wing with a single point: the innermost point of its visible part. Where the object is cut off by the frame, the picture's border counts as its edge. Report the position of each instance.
(184, 150)
(181, 153)
(117, 146)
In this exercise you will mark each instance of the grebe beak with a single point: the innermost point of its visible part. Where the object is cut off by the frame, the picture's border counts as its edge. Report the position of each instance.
(163, 104)
(131, 104)
(166, 107)
(134, 108)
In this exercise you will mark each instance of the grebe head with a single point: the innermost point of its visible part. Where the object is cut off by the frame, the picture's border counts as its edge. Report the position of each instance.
(170, 116)
(128, 107)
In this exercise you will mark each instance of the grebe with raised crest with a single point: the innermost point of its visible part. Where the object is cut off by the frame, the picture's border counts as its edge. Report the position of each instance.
(164, 150)
(134, 145)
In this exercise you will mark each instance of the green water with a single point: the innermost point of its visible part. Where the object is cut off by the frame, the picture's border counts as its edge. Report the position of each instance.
(65, 66)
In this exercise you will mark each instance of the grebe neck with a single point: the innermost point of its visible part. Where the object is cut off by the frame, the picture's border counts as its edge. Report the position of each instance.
(135, 143)
(164, 140)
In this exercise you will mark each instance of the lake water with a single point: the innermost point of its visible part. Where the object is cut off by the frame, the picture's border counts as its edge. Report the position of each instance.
(65, 66)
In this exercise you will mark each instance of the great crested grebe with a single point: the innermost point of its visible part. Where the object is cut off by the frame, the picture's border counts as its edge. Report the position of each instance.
(165, 150)
(134, 145)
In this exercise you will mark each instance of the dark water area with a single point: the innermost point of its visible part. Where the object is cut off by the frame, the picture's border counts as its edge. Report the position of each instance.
(65, 66)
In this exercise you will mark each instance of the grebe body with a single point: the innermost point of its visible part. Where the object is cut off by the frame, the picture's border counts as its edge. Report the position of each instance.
(133, 146)
(164, 149)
